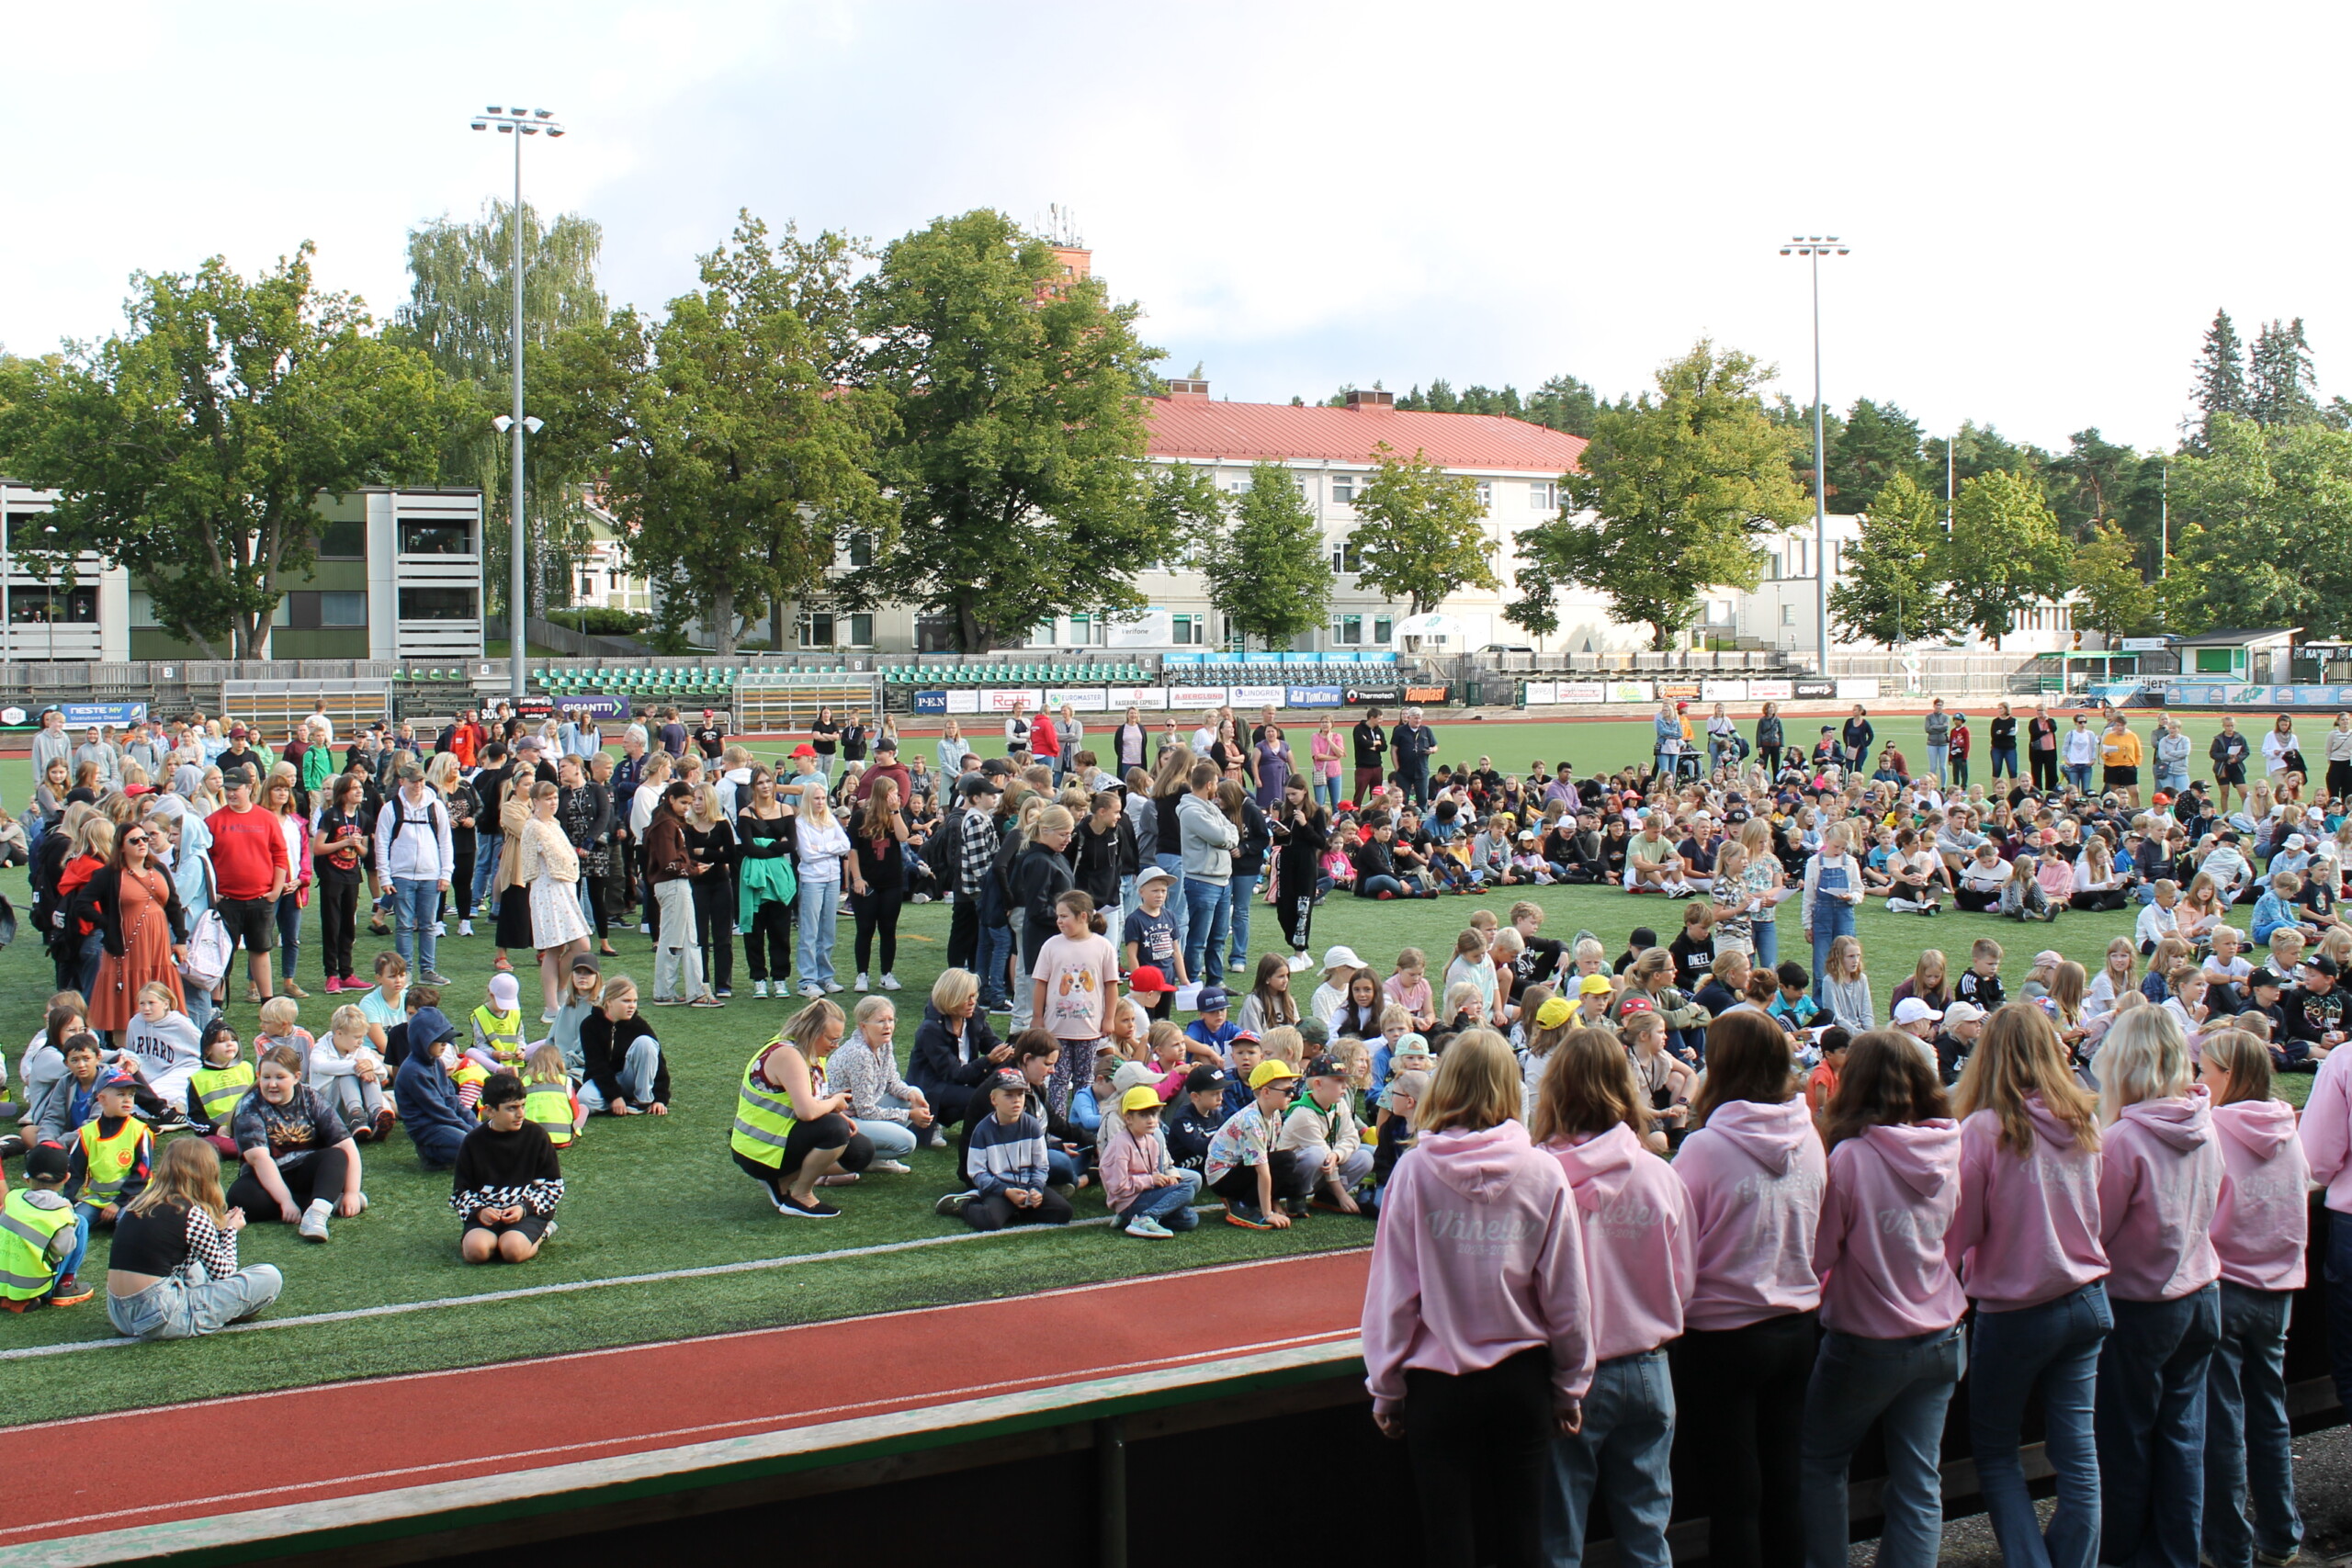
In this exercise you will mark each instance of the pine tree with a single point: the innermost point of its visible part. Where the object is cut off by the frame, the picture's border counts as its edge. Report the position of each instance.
(2221, 377)
(2282, 389)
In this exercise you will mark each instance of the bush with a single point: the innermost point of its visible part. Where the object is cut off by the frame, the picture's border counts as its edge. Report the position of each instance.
(597, 621)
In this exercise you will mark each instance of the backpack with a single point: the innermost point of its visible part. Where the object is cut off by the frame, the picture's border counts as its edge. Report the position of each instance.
(209, 951)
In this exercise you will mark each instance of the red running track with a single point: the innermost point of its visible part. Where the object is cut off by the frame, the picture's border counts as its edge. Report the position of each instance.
(323, 1443)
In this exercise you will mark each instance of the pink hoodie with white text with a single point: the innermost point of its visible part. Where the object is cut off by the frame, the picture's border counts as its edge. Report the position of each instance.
(1638, 1257)
(1477, 1259)
(2160, 1184)
(2327, 1130)
(1755, 1174)
(2027, 1229)
(2263, 1221)
(1879, 1251)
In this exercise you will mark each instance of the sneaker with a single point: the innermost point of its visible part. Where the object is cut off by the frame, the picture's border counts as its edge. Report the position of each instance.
(547, 1235)
(935, 1139)
(286, 988)
(892, 1168)
(1149, 1229)
(815, 1209)
(919, 898)
(440, 928)
(759, 988)
(173, 1120)
(385, 1120)
(706, 1000)
(832, 986)
(891, 983)
(314, 1220)
(643, 929)
(861, 985)
(1295, 1207)
(951, 1205)
(724, 992)
(434, 977)
(1247, 1216)
(70, 1291)
(547, 1018)
(669, 1001)
(334, 985)
(2275, 1560)
(465, 928)
(813, 992)
(354, 983)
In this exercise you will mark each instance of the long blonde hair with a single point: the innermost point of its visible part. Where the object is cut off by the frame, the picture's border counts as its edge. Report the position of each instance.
(2017, 1058)
(2145, 1056)
(1477, 1085)
(187, 1175)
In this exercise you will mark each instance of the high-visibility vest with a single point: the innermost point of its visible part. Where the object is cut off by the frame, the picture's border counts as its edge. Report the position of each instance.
(29, 1218)
(110, 1159)
(550, 1105)
(502, 1031)
(218, 1089)
(763, 1117)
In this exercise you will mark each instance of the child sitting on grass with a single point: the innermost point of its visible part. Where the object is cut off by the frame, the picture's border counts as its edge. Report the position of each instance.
(348, 1074)
(1320, 1131)
(41, 1255)
(436, 1116)
(108, 1162)
(1173, 1055)
(497, 1026)
(624, 1069)
(162, 1046)
(1396, 1023)
(1193, 1122)
(45, 1081)
(385, 1003)
(1213, 1029)
(548, 1098)
(583, 992)
(77, 1099)
(1245, 1170)
(281, 1024)
(1008, 1162)
(214, 1088)
(507, 1180)
(1149, 1195)
(1408, 987)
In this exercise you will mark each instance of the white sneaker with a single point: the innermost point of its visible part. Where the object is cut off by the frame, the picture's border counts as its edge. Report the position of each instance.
(861, 983)
(890, 982)
(831, 986)
(314, 1220)
(439, 928)
(814, 993)
(465, 928)
(759, 988)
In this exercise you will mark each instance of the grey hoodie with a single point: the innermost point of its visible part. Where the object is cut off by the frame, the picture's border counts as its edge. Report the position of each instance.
(1209, 838)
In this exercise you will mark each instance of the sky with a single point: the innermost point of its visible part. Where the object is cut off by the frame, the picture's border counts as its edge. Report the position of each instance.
(2045, 203)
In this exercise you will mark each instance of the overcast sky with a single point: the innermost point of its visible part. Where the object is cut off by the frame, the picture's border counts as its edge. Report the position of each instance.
(2046, 202)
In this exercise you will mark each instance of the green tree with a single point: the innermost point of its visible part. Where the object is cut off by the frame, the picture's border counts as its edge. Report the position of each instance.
(2280, 384)
(1680, 485)
(2265, 521)
(2221, 377)
(2095, 481)
(2111, 595)
(2006, 550)
(1978, 449)
(1892, 591)
(1421, 531)
(1563, 403)
(1876, 443)
(459, 313)
(1018, 463)
(736, 461)
(192, 449)
(1265, 567)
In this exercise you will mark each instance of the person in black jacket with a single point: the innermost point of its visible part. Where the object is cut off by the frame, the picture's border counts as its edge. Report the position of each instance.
(1303, 834)
(1371, 744)
(2314, 1013)
(1036, 876)
(1769, 739)
(1102, 854)
(1375, 869)
(954, 1051)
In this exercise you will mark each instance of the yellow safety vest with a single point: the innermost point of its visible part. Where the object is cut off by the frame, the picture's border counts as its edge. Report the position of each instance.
(502, 1031)
(110, 1159)
(218, 1089)
(29, 1218)
(550, 1105)
(763, 1119)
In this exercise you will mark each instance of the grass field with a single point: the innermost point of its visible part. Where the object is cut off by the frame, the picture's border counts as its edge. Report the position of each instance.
(650, 1196)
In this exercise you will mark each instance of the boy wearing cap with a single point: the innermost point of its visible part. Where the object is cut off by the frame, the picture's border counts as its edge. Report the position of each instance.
(1212, 1031)
(2264, 988)
(108, 1162)
(1244, 1168)
(1917, 1018)
(1007, 1165)
(1149, 1195)
(41, 1242)
(1195, 1119)
(497, 1026)
(1320, 1131)
(1963, 1024)
(2314, 1010)
(1148, 937)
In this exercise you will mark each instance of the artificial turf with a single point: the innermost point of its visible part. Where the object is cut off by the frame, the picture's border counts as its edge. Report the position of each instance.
(650, 1195)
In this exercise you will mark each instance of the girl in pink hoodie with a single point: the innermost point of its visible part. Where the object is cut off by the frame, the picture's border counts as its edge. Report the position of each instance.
(1638, 1260)
(1889, 1300)
(2161, 1181)
(2025, 1241)
(2259, 1232)
(1754, 1170)
(1477, 1327)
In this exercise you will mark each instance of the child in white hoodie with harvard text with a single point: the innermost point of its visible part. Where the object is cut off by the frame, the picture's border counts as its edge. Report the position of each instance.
(1477, 1327)
(1590, 1116)
(1890, 1303)
(1754, 1170)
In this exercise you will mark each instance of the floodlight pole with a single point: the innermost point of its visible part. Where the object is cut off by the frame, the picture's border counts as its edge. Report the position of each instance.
(1814, 247)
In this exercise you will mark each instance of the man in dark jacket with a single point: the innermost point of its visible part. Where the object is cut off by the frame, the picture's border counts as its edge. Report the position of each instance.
(1371, 753)
(1413, 742)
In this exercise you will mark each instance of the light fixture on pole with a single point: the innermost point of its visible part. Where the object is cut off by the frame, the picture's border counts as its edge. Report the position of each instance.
(1812, 247)
(517, 122)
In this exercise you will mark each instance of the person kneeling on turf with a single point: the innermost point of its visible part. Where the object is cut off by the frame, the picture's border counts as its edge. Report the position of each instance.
(1008, 1165)
(507, 1181)
(1150, 1197)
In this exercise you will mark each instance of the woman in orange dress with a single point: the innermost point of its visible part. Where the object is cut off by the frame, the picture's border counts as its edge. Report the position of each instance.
(136, 910)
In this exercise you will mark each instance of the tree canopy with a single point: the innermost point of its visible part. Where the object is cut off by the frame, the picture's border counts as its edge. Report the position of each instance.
(1263, 562)
(1421, 531)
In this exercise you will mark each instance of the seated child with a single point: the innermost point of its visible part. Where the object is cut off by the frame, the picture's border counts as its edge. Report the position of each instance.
(437, 1116)
(1407, 1090)
(1247, 1055)
(1258, 1182)
(625, 1072)
(497, 1026)
(76, 1097)
(1086, 1105)
(548, 1098)
(384, 1003)
(507, 1180)
(1213, 1031)
(1146, 1191)
(582, 991)
(281, 1025)
(348, 1074)
(161, 1046)
(108, 1162)
(1408, 987)
(1007, 1165)
(1793, 1007)
(1173, 1054)
(1396, 1024)
(1320, 1129)
(1196, 1121)
(214, 1088)
(44, 1061)
(44, 1271)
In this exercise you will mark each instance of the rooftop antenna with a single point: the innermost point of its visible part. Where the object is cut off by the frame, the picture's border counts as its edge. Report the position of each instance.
(1061, 227)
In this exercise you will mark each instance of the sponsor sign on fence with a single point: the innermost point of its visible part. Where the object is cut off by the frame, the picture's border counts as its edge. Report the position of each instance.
(1629, 690)
(81, 715)
(1257, 697)
(1857, 688)
(1812, 689)
(931, 701)
(1196, 696)
(1081, 699)
(1004, 702)
(2231, 694)
(1357, 696)
(1723, 690)
(1770, 691)
(1150, 699)
(1312, 697)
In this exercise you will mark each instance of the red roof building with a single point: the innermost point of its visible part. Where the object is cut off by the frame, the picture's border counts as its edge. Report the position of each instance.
(1189, 426)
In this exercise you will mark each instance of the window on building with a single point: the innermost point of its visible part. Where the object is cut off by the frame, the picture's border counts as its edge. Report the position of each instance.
(861, 631)
(1345, 556)
(1787, 615)
(934, 634)
(861, 549)
(1772, 565)
(1188, 631)
(824, 628)
(1348, 631)
(436, 539)
(63, 607)
(1486, 495)
(142, 608)
(1344, 487)
(283, 614)
(344, 541)
(1384, 629)
(815, 628)
(438, 605)
(1542, 495)
(341, 609)
(587, 587)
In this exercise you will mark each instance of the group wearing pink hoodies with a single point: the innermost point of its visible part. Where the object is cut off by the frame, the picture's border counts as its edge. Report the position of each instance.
(2027, 1229)
(1879, 1246)
(2161, 1179)
(2260, 1229)
(1755, 1174)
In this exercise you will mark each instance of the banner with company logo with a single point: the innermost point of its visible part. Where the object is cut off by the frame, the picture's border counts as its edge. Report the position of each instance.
(1081, 699)
(598, 707)
(1312, 696)
(1770, 691)
(1148, 699)
(81, 715)
(1004, 702)
(1359, 697)
(1427, 693)
(1723, 690)
(1257, 697)
(1629, 690)
(931, 701)
(1582, 691)
(1540, 693)
(2230, 693)
(1858, 688)
(1196, 696)
(1812, 690)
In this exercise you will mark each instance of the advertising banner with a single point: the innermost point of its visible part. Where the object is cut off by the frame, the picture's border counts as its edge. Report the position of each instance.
(1629, 690)
(81, 715)
(1812, 689)
(598, 707)
(2230, 693)
(965, 701)
(1149, 699)
(1257, 697)
(1004, 702)
(1312, 697)
(931, 701)
(1723, 690)
(1081, 699)
(1386, 696)
(1857, 688)
(1770, 691)
(1583, 692)
(1431, 694)
(1677, 691)
(1196, 696)
(1541, 694)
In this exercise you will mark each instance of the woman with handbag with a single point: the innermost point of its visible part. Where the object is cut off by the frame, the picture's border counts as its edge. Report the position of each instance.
(135, 911)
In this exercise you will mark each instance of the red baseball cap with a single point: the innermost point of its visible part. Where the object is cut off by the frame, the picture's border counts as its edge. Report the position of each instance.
(1633, 1005)
(1148, 978)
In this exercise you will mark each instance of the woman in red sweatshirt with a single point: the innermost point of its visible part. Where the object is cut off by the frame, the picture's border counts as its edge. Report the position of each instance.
(1889, 1300)
(1477, 1330)
(2161, 1179)
(1754, 1170)
(2026, 1243)
(1591, 1117)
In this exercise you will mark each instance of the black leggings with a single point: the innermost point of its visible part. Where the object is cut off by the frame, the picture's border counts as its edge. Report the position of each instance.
(338, 924)
(1978, 903)
(462, 875)
(877, 910)
(1480, 1445)
(1298, 907)
(767, 941)
(599, 890)
(996, 1212)
(715, 930)
(321, 1176)
(1739, 1401)
(2044, 765)
(834, 1132)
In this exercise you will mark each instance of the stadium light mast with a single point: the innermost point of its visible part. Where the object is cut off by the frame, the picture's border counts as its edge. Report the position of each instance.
(1814, 247)
(515, 121)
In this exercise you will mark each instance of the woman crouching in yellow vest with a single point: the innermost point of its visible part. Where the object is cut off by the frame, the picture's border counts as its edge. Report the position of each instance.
(789, 1135)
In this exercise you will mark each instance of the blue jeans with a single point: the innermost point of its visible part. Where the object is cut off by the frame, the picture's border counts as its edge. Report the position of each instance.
(1176, 910)
(2151, 1427)
(1172, 1206)
(820, 913)
(93, 950)
(2340, 1302)
(1767, 937)
(996, 952)
(1855, 1381)
(1241, 893)
(2249, 1470)
(1205, 930)
(1622, 1452)
(1832, 918)
(1062, 1167)
(414, 904)
(2171, 783)
(70, 1266)
(2057, 1343)
(487, 848)
(2005, 758)
(1939, 757)
(2079, 778)
(1327, 790)
(1374, 886)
